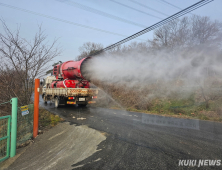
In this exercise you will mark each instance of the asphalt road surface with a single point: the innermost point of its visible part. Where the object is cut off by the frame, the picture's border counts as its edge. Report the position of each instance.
(142, 141)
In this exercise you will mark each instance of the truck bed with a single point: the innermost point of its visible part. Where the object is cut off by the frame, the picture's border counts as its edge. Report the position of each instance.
(71, 91)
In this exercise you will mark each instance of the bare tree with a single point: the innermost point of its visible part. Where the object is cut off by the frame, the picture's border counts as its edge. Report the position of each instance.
(24, 61)
(205, 31)
(188, 32)
(89, 48)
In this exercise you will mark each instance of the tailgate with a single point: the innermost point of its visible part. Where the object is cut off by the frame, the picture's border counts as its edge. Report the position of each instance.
(82, 91)
(56, 91)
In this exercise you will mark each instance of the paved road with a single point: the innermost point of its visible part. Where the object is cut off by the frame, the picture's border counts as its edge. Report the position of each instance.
(140, 141)
(98, 138)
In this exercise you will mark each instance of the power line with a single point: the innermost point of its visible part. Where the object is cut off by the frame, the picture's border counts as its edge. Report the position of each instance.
(158, 24)
(62, 20)
(135, 9)
(171, 4)
(143, 5)
(104, 14)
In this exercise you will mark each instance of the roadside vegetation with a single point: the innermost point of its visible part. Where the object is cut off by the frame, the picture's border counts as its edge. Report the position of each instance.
(48, 119)
(22, 61)
(192, 107)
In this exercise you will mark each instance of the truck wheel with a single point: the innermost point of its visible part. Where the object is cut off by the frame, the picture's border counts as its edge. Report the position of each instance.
(45, 99)
(57, 102)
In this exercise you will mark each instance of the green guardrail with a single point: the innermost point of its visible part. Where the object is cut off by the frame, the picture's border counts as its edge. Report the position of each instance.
(5, 128)
(8, 132)
(14, 102)
(15, 129)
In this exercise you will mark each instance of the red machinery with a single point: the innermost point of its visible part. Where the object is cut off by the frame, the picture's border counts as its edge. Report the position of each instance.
(71, 74)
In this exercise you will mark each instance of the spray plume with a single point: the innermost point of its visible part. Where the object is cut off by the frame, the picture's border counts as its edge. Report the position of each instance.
(138, 69)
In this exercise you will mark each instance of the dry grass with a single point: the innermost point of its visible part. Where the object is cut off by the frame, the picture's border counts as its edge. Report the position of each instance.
(47, 119)
(132, 99)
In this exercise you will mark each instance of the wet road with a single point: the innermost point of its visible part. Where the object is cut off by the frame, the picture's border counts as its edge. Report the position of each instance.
(140, 141)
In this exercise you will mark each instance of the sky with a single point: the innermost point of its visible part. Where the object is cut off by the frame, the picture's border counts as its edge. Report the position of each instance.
(122, 17)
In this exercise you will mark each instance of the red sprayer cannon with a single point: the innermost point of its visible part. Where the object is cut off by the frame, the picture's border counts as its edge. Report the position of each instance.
(69, 84)
(70, 74)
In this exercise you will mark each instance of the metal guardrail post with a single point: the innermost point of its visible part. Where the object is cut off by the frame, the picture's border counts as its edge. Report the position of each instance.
(8, 134)
(14, 102)
(36, 109)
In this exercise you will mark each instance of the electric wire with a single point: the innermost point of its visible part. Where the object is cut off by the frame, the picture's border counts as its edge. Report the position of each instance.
(158, 24)
(101, 13)
(62, 20)
(145, 6)
(171, 4)
(134, 9)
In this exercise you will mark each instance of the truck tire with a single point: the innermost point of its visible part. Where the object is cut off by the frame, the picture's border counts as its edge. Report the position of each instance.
(57, 102)
(45, 99)
(43, 96)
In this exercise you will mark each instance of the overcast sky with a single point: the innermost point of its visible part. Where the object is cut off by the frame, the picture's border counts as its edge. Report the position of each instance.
(71, 36)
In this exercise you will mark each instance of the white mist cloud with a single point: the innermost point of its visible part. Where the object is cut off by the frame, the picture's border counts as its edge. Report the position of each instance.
(136, 68)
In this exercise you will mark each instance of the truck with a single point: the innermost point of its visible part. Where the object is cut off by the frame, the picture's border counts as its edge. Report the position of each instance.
(70, 84)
